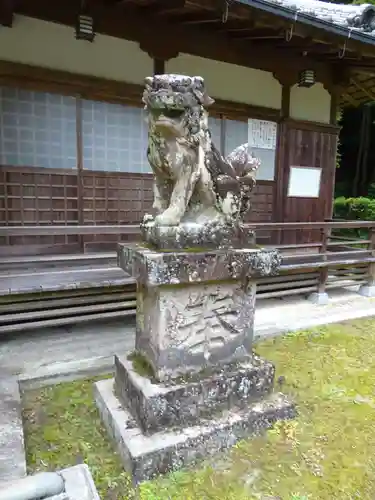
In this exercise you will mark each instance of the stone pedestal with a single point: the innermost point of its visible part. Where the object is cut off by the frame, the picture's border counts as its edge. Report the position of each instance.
(193, 386)
(195, 309)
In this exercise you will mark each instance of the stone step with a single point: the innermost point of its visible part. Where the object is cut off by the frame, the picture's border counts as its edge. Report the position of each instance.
(183, 402)
(148, 456)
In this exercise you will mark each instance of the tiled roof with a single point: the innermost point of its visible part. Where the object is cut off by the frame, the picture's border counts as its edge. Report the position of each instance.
(359, 18)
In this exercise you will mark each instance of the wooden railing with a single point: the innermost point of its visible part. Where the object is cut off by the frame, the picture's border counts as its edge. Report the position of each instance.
(328, 261)
(49, 229)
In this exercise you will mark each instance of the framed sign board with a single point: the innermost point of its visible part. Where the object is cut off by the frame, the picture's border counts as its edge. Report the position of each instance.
(304, 182)
(262, 136)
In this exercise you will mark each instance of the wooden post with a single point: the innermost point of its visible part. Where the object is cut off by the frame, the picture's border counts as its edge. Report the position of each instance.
(368, 289)
(323, 273)
(286, 79)
(372, 248)
(159, 66)
(80, 207)
(320, 297)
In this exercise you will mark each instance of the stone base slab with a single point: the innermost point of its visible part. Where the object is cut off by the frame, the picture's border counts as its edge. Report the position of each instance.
(320, 299)
(367, 290)
(156, 406)
(148, 456)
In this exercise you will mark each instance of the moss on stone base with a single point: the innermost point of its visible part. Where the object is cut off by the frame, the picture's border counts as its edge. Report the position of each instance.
(141, 365)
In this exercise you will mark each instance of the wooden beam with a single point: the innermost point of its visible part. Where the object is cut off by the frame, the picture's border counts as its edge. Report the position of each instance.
(159, 66)
(7, 8)
(367, 92)
(165, 40)
(49, 80)
(165, 7)
(285, 100)
(364, 64)
(89, 87)
(201, 18)
(260, 34)
(157, 6)
(309, 45)
(262, 38)
(237, 26)
(334, 107)
(349, 98)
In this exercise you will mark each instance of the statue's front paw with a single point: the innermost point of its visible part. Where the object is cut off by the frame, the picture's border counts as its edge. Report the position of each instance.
(168, 218)
(147, 218)
(158, 208)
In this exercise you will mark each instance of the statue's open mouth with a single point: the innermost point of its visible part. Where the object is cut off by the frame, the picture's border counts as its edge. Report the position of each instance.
(170, 113)
(167, 125)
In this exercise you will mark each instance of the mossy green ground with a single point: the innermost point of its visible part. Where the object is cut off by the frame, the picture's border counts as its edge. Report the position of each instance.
(328, 452)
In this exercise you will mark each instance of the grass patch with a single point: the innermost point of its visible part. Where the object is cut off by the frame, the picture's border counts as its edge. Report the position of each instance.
(63, 428)
(328, 452)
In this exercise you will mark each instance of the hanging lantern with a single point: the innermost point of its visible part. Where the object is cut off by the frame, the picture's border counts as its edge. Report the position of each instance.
(85, 28)
(306, 78)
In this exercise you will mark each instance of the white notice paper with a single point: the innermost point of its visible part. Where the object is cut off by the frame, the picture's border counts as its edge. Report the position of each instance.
(262, 134)
(304, 182)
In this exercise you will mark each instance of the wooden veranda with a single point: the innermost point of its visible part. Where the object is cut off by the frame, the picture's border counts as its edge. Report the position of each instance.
(60, 289)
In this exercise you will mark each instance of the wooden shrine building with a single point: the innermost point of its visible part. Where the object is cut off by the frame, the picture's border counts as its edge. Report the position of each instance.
(72, 131)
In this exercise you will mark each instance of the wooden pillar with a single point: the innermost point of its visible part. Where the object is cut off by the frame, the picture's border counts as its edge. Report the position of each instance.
(334, 91)
(159, 54)
(334, 107)
(371, 237)
(159, 66)
(285, 100)
(340, 79)
(80, 208)
(7, 8)
(323, 272)
(368, 288)
(286, 82)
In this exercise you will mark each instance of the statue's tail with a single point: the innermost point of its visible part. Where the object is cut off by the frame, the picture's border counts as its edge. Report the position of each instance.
(245, 166)
(243, 162)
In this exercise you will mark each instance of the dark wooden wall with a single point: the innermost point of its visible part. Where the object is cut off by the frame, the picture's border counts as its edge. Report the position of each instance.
(32, 196)
(307, 145)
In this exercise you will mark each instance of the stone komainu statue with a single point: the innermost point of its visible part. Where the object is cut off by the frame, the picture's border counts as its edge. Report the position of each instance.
(200, 198)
